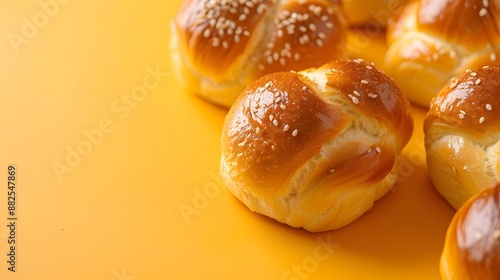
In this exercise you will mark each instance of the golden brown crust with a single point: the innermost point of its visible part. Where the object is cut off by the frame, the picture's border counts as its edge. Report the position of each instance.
(304, 36)
(472, 245)
(221, 46)
(471, 101)
(214, 34)
(374, 92)
(433, 41)
(275, 126)
(296, 145)
(469, 23)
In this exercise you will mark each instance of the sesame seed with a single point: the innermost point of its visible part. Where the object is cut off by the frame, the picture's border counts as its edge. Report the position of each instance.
(461, 116)
(261, 8)
(295, 132)
(453, 83)
(486, 3)
(478, 235)
(271, 117)
(486, 67)
(207, 33)
(369, 67)
(304, 88)
(369, 150)
(478, 81)
(277, 100)
(269, 60)
(463, 112)
(275, 122)
(356, 93)
(378, 150)
(364, 82)
(481, 119)
(286, 127)
(312, 27)
(488, 107)
(354, 99)
(372, 95)
(468, 71)
(483, 12)
(276, 56)
(273, 147)
(282, 106)
(257, 130)
(225, 45)
(473, 74)
(493, 56)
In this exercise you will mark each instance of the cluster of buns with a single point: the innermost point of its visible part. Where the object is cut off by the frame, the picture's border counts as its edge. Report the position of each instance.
(472, 244)
(432, 41)
(315, 148)
(220, 46)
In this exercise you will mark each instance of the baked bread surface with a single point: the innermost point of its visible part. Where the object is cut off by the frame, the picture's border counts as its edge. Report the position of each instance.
(472, 245)
(220, 46)
(315, 148)
(462, 134)
(433, 41)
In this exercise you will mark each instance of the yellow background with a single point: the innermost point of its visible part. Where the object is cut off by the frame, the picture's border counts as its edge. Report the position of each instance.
(115, 212)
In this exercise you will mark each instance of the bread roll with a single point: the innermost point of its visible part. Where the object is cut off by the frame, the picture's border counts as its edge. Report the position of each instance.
(472, 245)
(220, 46)
(372, 13)
(462, 134)
(315, 148)
(433, 41)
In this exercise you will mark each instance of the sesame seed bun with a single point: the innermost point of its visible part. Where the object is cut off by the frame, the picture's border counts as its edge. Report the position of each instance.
(220, 47)
(462, 135)
(315, 148)
(434, 41)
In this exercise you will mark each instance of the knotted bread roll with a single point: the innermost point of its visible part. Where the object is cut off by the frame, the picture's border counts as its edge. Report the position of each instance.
(472, 245)
(462, 135)
(433, 41)
(220, 46)
(315, 148)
